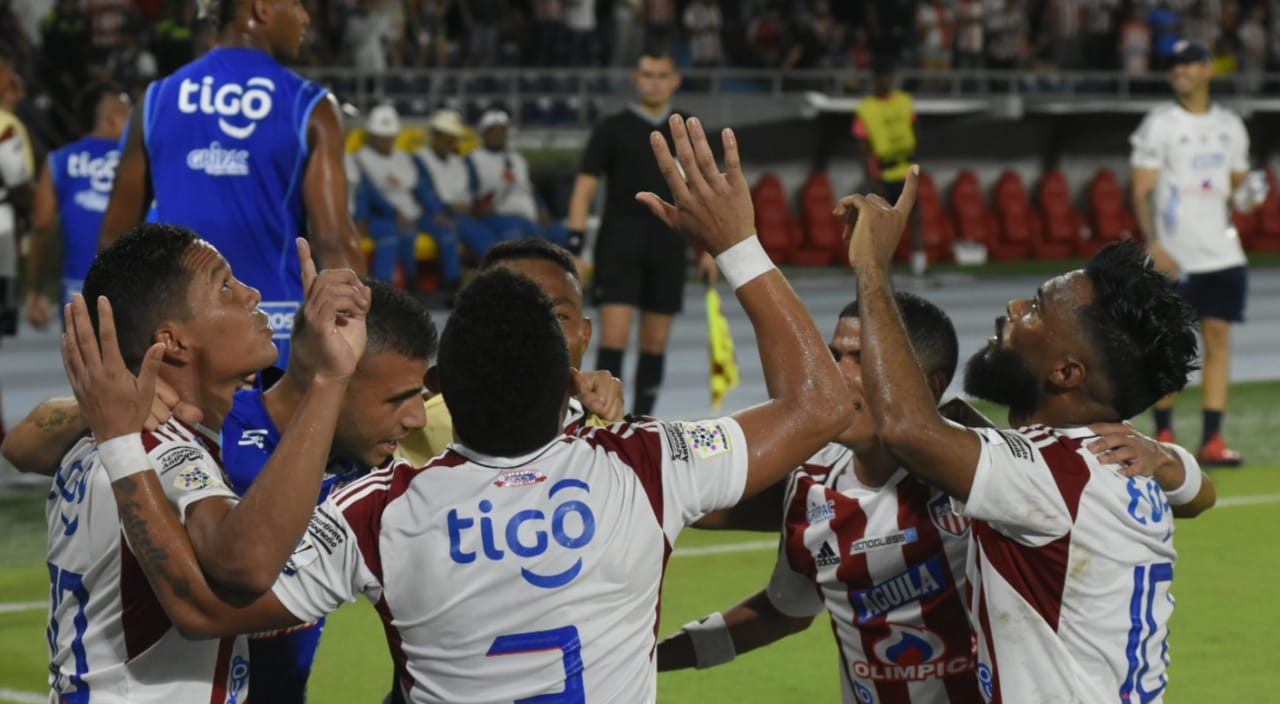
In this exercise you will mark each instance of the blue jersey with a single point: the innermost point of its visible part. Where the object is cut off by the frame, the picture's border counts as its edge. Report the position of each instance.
(226, 136)
(82, 174)
(281, 663)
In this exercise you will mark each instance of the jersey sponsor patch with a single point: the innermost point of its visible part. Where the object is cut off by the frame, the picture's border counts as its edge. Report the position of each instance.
(193, 478)
(826, 557)
(1019, 447)
(910, 653)
(325, 532)
(820, 512)
(675, 439)
(302, 556)
(945, 518)
(902, 537)
(520, 477)
(912, 584)
(214, 160)
(179, 456)
(707, 438)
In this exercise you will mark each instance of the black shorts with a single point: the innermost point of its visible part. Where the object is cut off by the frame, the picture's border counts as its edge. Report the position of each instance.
(1217, 294)
(641, 264)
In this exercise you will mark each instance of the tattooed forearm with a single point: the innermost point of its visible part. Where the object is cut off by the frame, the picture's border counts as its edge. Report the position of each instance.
(153, 558)
(56, 418)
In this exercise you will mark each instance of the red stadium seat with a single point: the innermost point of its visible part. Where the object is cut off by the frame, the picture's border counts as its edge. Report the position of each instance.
(974, 221)
(1109, 214)
(1268, 236)
(777, 228)
(1019, 224)
(1062, 227)
(937, 230)
(824, 233)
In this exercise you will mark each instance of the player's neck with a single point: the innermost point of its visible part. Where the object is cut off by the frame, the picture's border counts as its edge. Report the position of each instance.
(283, 399)
(239, 35)
(874, 467)
(213, 399)
(1066, 410)
(1195, 103)
(656, 109)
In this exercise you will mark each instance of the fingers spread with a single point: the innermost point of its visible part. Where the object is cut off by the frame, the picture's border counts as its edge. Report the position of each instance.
(665, 211)
(684, 152)
(667, 166)
(706, 160)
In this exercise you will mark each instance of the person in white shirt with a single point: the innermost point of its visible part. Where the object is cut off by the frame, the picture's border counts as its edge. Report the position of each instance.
(452, 179)
(17, 169)
(568, 534)
(1190, 167)
(393, 198)
(1071, 560)
(506, 200)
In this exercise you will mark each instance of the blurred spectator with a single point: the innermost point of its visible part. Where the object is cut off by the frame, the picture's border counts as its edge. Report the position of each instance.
(132, 65)
(1253, 44)
(14, 42)
(890, 24)
(66, 27)
(1060, 32)
(659, 24)
(1225, 60)
(1135, 42)
(17, 168)
(452, 178)
(580, 21)
(1199, 26)
(1273, 16)
(765, 36)
(107, 20)
(1008, 36)
(1100, 34)
(702, 23)
(430, 41)
(506, 200)
(369, 34)
(1164, 34)
(549, 30)
(482, 19)
(829, 33)
(801, 47)
(968, 34)
(933, 35)
(628, 31)
(173, 36)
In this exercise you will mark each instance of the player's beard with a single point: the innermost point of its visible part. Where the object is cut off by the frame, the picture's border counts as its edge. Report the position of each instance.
(1001, 376)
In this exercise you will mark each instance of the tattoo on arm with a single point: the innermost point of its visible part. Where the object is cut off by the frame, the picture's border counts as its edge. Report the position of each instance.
(154, 557)
(56, 418)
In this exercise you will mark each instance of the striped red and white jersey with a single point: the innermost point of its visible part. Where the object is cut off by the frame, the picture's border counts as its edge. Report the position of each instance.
(1069, 572)
(513, 579)
(109, 639)
(888, 564)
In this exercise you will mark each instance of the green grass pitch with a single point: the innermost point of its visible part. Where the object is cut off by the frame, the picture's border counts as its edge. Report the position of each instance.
(1226, 628)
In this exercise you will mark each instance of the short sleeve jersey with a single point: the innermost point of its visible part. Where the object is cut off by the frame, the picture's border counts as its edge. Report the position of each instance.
(1195, 155)
(1070, 570)
(526, 578)
(110, 641)
(619, 152)
(888, 563)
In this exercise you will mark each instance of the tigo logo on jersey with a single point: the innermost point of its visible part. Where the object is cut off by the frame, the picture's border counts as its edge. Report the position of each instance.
(945, 518)
(707, 438)
(818, 513)
(910, 653)
(100, 171)
(520, 477)
(826, 557)
(239, 679)
(227, 101)
(912, 584)
(216, 161)
(572, 525)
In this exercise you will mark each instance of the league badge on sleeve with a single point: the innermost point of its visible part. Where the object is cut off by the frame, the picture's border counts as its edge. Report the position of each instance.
(707, 439)
(945, 518)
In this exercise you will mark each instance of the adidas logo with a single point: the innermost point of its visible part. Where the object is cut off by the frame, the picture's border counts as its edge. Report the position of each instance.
(826, 557)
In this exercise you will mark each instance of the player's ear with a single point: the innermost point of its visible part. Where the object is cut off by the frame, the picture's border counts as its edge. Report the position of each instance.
(938, 383)
(1068, 373)
(176, 351)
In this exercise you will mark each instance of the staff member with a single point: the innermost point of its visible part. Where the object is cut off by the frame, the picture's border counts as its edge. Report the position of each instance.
(639, 261)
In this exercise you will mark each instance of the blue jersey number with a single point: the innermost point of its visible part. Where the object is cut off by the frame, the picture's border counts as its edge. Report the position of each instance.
(63, 582)
(563, 639)
(1150, 592)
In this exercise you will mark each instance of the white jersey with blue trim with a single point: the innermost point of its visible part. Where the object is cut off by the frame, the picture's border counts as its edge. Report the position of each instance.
(1070, 568)
(1195, 155)
(502, 579)
(110, 641)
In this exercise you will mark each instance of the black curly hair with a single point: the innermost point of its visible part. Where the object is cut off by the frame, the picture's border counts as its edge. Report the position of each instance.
(932, 335)
(1142, 330)
(504, 365)
(530, 248)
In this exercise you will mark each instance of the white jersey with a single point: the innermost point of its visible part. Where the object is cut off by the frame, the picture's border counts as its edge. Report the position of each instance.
(110, 641)
(450, 178)
(394, 176)
(505, 174)
(534, 577)
(1069, 570)
(889, 564)
(1196, 155)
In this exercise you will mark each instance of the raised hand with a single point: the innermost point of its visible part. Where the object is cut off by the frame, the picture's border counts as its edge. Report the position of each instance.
(712, 209)
(334, 317)
(1137, 454)
(873, 227)
(168, 404)
(600, 393)
(111, 398)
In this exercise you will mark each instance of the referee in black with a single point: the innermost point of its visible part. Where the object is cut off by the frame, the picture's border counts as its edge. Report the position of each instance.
(639, 261)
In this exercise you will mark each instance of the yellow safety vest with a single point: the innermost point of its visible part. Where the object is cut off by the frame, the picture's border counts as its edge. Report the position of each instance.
(891, 133)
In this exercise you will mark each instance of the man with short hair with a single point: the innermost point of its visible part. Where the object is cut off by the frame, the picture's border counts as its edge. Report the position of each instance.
(514, 502)
(180, 315)
(72, 195)
(247, 153)
(506, 200)
(1071, 561)
(1191, 157)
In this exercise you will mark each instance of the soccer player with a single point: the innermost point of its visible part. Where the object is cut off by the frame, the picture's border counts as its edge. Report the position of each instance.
(247, 153)
(1071, 561)
(72, 193)
(568, 533)
(1191, 157)
(639, 260)
(552, 268)
(179, 314)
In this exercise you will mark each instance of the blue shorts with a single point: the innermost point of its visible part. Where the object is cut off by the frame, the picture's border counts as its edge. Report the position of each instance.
(1217, 294)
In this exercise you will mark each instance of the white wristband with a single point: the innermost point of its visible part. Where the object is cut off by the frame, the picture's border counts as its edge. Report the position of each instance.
(123, 456)
(743, 262)
(712, 642)
(1191, 484)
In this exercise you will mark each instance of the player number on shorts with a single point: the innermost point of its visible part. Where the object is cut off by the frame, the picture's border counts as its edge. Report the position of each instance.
(565, 640)
(61, 583)
(1150, 600)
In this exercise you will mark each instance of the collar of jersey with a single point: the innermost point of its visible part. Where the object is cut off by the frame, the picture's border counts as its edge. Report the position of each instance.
(494, 462)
